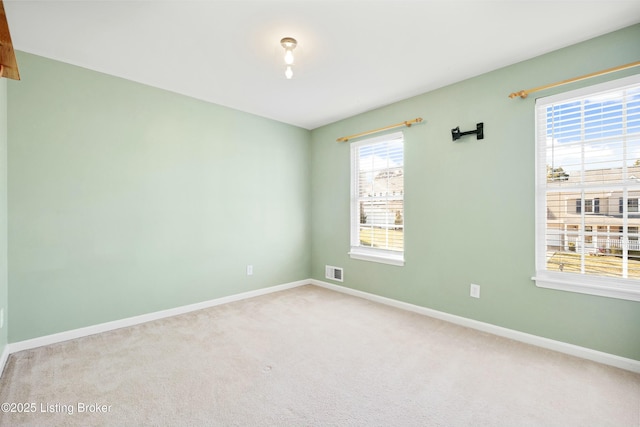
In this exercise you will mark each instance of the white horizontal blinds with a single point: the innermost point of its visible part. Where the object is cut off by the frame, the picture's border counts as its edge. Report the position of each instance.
(380, 193)
(590, 147)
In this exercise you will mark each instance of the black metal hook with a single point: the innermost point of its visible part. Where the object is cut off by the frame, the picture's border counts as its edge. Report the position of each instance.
(456, 134)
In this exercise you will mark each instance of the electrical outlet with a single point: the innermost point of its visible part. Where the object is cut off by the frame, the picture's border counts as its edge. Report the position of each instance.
(249, 270)
(475, 291)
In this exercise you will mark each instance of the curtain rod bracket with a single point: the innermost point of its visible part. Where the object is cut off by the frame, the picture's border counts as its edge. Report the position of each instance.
(522, 94)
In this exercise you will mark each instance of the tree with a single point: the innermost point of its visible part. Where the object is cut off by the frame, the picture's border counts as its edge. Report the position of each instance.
(556, 174)
(398, 220)
(363, 216)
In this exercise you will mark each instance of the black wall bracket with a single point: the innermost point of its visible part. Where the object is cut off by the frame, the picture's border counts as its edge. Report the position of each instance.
(456, 134)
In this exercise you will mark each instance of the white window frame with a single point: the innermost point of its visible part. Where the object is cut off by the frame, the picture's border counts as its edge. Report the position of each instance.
(613, 287)
(357, 251)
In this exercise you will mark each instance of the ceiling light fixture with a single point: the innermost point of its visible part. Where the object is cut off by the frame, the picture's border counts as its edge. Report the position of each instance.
(288, 43)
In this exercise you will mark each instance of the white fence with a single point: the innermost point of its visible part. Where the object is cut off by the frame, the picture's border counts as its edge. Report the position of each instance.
(601, 245)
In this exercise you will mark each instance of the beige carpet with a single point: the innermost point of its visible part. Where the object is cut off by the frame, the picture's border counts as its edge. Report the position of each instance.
(311, 357)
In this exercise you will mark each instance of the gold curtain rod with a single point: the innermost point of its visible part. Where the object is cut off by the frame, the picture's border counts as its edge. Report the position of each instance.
(407, 123)
(524, 93)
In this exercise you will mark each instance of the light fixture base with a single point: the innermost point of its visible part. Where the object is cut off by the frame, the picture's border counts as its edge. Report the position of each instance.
(289, 43)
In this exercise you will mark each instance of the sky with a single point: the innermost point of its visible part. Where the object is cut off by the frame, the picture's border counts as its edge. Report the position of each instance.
(598, 128)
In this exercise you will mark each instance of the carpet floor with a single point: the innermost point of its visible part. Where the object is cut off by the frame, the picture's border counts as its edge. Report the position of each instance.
(310, 357)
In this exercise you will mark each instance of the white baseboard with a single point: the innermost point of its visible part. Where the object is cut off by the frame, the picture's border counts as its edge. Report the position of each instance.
(3, 358)
(559, 346)
(574, 350)
(136, 320)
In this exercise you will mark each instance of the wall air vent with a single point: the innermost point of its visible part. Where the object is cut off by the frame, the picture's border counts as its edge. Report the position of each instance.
(333, 273)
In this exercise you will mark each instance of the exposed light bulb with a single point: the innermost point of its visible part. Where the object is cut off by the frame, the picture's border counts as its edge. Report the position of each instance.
(288, 43)
(288, 57)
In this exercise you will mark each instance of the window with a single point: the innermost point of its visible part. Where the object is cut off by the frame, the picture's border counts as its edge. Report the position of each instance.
(591, 206)
(587, 161)
(632, 205)
(377, 199)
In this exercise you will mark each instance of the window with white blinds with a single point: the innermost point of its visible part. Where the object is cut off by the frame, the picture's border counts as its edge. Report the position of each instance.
(377, 199)
(587, 190)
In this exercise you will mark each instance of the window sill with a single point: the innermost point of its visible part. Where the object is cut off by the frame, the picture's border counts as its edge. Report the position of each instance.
(605, 287)
(378, 255)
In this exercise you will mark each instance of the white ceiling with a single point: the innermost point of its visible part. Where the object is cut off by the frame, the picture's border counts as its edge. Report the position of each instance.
(353, 56)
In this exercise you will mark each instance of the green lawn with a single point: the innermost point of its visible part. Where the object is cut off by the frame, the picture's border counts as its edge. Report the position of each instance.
(603, 265)
(377, 238)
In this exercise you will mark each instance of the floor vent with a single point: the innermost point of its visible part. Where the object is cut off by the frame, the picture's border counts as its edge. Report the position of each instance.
(333, 273)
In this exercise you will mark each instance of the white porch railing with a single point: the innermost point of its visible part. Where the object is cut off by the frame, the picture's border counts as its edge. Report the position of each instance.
(602, 244)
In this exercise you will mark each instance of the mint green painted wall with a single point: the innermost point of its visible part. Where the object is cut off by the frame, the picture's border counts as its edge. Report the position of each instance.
(469, 205)
(4, 284)
(126, 199)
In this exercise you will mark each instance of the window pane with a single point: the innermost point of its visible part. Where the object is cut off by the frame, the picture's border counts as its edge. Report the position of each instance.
(592, 243)
(588, 206)
(380, 194)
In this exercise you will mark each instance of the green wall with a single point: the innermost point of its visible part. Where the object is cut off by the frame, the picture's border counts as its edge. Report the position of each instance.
(4, 284)
(126, 199)
(469, 207)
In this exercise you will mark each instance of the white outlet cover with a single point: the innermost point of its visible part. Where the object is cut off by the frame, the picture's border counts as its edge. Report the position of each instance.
(475, 291)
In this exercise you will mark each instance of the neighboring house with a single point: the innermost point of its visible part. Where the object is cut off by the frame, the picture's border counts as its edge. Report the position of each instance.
(602, 225)
(385, 207)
